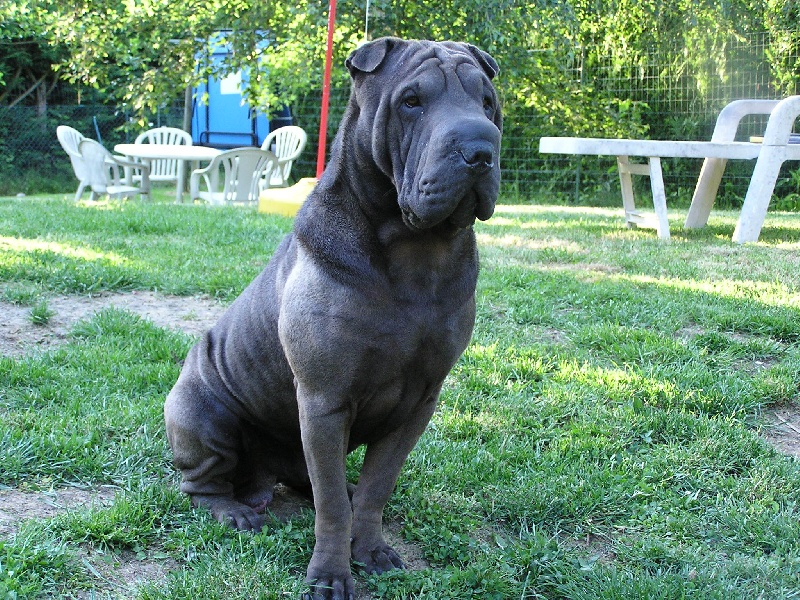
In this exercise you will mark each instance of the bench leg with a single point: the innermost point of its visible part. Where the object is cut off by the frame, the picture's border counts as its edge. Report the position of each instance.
(653, 170)
(659, 197)
(626, 183)
(759, 193)
(705, 192)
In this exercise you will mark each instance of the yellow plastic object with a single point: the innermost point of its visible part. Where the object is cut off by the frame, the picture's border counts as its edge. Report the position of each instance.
(286, 201)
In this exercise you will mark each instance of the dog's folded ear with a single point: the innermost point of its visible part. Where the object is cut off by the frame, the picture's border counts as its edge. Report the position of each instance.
(369, 57)
(485, 60)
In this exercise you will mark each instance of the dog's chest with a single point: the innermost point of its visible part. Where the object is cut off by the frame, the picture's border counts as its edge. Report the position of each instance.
(369, 340)
(401, 365)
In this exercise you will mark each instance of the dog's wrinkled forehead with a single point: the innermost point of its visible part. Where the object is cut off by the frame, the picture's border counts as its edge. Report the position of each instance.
(438, 55)
(438, 63)
(409, 56)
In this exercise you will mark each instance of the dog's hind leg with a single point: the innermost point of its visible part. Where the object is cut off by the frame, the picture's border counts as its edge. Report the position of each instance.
(206, 448)
(255, 478)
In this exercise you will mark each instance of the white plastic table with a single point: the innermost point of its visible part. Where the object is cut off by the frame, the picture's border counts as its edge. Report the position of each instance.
(770, 154)
(181, 153)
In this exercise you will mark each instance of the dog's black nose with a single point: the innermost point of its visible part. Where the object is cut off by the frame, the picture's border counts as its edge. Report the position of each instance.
(478, 154)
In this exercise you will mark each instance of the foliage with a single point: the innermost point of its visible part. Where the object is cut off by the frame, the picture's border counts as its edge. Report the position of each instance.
(26, 55)
(787, 192)
(146, 54)
(782, 20)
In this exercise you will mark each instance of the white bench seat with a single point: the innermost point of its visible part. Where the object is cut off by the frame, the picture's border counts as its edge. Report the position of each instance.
(657, 148)
(770, 154)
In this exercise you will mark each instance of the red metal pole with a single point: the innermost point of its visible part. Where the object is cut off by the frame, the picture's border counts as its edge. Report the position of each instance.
(326, 91)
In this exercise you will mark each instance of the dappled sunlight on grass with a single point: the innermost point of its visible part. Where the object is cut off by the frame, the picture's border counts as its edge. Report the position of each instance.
(534, 209)
(515, 241)
(794, 246)
(515, 370)
(593, 245)
(101, 204)
(770, 293)
(780, 230)
(62, 249)
(546, 218)
(110, 244)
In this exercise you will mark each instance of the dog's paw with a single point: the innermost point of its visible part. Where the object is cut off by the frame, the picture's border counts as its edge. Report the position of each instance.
(330, 588)
(243, 518)
(230, 512)
(377, 560)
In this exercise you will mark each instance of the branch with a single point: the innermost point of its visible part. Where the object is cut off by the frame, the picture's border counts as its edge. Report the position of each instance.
(52, 85)
(9, 86)
(28, 93)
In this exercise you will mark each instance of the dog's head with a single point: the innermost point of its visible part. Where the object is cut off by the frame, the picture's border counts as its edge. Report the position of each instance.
(428, 116)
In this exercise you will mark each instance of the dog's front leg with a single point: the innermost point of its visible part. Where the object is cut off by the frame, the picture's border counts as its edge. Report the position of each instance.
(382, 464)
(325, 431)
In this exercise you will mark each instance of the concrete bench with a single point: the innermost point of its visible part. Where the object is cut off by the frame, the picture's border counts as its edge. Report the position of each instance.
(770, 154)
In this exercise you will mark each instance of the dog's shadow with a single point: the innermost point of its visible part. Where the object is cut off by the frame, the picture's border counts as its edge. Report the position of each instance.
(288, 503)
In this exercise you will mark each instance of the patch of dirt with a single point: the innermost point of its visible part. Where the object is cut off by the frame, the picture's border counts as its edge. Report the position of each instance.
(17, 506)
(18, 334)
(548, 335)
(597, 549)
(119, 575)
(689, 332)
(783, 429)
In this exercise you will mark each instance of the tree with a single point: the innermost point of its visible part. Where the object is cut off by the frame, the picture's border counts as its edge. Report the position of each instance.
(145, 54)
(26, 54)
(783, 23)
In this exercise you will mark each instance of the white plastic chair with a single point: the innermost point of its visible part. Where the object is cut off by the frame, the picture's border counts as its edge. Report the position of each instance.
(103, 172)
(70, 139)
(286, 143)
(163, 169)
(242, 170)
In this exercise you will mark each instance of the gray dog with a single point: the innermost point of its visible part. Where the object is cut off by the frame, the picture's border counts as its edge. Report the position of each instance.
(347, 335)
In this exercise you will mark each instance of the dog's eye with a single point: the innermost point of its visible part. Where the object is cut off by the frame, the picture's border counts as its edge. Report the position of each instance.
(411, 101)
(488, 104)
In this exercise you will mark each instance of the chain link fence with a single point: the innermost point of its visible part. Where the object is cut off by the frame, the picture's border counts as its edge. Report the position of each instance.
(672, 106)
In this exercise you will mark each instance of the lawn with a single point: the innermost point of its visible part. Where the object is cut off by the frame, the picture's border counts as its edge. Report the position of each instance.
(601, 438)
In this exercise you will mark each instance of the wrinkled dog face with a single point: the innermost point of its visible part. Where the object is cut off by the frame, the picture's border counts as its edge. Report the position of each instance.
(436, 127)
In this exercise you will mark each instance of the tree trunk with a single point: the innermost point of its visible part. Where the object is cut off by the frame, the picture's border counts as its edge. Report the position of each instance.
(41, 105)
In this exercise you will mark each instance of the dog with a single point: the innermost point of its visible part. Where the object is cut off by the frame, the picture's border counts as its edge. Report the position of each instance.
(347, 335)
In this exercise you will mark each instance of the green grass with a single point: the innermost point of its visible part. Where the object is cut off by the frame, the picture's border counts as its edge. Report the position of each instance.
(56, 246)
(598, 439)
